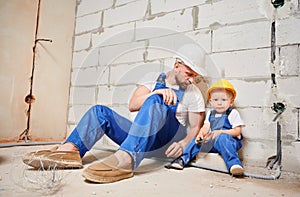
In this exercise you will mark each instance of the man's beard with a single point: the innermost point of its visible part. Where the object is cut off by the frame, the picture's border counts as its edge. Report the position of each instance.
(183, 83)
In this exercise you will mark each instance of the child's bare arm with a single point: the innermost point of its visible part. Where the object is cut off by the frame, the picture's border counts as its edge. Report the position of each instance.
(234, 132)
(202, 132)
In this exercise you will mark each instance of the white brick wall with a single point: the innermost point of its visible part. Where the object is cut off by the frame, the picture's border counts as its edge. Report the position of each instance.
(78, 58)
(88, 22)
(122, 2)
(92, 76)
(131, 73)
(158, 6)
(126, 13)
(242, 36)
(117, 42)
(289, 60)
(241, 64)
(88, 59)
(119, 53)
(229, 12)
(258, 124)
(104, 95)
(288, 31)
(178, 21)
(288, 89)
(254, 93)
(166, 46)
(202, 37)
(82, 42)
(115, 35)
(90, 6)
(82, 95)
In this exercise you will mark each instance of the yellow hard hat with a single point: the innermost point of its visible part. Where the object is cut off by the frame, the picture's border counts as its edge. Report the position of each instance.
(223, 84)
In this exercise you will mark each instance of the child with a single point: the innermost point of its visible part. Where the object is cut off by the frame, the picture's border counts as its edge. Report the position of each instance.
(226, 129)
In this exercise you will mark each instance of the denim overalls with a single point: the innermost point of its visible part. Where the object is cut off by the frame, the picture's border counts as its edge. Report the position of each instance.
(226, 145)
(152, 131)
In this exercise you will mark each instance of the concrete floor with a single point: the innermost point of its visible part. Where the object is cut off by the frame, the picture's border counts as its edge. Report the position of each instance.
(151, 179)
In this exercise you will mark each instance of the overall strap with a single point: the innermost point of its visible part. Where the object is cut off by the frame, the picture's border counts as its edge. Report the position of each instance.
(227, 112)
(220, 122)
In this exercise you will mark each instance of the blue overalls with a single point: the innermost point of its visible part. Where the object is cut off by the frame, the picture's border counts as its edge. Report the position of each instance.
(152, 131)
(226, 145)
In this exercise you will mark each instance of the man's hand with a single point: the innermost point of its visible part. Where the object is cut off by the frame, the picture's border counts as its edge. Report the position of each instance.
(175, 150)
(169, 96)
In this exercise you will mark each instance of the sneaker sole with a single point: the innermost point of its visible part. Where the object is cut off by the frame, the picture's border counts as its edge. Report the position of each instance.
(176, 166)
(237, 171)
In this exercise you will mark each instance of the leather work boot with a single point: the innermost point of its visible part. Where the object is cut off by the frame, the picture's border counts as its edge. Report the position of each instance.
(53, 159)
(107, 171)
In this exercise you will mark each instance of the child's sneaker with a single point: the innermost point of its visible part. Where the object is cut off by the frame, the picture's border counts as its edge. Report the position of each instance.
(236, 170)
(176, 164)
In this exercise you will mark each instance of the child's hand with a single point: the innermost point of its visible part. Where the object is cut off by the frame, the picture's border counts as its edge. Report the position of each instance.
(216, 133)
(202, 133)
(198, 138)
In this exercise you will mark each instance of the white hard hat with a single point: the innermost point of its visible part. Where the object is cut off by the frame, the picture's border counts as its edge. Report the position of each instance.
(193, 56)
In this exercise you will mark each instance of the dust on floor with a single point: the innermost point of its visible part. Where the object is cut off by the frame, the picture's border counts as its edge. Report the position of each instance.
(151, 179)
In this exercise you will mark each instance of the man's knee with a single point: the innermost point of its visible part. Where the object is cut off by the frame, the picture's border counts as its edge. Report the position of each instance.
(155, 98)
(99, 108)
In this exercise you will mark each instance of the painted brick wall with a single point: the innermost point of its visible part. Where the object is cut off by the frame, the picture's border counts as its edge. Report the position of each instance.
(117, 41)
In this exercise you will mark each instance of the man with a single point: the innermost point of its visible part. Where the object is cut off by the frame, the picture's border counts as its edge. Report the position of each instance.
(167, 104)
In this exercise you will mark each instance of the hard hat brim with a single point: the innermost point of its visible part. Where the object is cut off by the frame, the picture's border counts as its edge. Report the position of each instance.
(195, 68)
